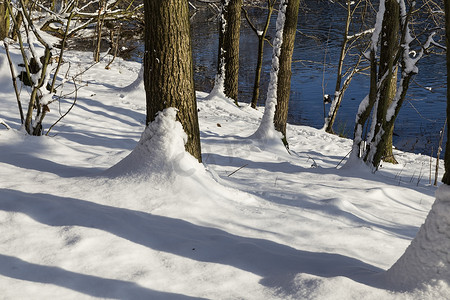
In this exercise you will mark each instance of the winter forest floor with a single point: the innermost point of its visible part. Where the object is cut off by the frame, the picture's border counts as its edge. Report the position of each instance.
(80, 218)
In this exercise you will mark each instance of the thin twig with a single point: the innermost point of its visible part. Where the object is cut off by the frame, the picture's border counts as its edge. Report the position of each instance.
(63, 44)
(343, 159)
(65, 114)
(13, 75)
(237, 170)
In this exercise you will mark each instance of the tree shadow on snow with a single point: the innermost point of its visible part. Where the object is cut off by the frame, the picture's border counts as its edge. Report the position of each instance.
(265, 258)
(28, 160)
(14, 267)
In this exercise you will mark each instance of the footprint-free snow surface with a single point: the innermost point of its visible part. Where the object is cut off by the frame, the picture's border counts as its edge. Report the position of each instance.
(101, 208)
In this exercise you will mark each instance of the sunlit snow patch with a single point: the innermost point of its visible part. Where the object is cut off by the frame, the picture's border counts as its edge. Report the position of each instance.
(160, 153)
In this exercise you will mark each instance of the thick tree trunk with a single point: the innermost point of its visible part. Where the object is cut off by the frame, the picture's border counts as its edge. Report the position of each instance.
(388, 48)
(4, 21)
(426, 260)
(387, 89)
(284, 72)
(168, 74)
(229, 46)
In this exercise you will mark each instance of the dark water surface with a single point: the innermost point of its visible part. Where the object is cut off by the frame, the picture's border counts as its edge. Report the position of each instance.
(421, 117)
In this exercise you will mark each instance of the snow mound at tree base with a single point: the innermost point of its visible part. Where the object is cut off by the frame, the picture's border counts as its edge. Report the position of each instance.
(427, 259)
(160, 153)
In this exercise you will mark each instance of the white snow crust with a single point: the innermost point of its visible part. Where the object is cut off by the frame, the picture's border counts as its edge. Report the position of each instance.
(104, 208)
(427, 259)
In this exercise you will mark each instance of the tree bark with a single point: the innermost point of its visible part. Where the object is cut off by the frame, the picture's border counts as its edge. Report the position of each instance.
(284, 73)
(389, 46)
(229, 34)
(4, 21)
(168, 74)
(425, 261)
(387, 85)
(446, 178)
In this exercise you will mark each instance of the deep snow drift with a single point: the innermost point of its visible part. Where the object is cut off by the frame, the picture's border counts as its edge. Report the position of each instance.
(101, 208)
(428, 256)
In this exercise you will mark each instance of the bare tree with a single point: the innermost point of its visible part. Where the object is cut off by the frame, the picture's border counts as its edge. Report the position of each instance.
(386, 106)
(273, 122)
(261, 34)
(344, 78)
(425, 260)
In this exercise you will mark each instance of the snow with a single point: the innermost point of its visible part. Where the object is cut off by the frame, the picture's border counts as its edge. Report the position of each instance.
(428, 256)
(104, 208)
(378, 24)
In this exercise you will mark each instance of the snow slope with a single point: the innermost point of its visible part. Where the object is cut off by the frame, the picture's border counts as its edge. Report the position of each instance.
(84, 216)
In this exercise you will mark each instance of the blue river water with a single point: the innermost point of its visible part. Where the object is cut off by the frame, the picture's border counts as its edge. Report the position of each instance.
(314, 73)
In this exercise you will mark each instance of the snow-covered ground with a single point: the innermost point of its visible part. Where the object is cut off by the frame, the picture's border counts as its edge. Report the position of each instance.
(82, 218)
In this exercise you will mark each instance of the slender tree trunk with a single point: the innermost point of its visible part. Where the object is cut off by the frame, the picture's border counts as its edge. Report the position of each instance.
(284, 73)
(446, 178)
(229, 34)
(256, 84)
(168, 73)
(98, 30)
(19, 19)
(338, 92)
(261, 41)
(364, 110)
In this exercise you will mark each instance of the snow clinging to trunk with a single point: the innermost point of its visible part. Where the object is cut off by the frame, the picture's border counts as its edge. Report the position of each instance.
(266, 129)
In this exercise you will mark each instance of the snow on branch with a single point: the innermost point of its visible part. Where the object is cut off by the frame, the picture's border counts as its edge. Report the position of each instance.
(359, 34)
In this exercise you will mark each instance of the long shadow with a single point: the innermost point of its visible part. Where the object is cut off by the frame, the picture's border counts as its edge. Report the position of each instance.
(106, 114)
(27, 160)
(282, 166)
(125, 112)
(92, 139)
(14, 267)
(262, 257)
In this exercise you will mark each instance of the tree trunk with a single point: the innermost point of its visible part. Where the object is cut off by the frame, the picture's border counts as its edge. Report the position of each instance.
(4, 21)
(388, 48)
(259, 63)
(229, 34)
(338, 92)
(284, 72)
(387, 81)
(168, 74)
(261, 41)
(426, 260)
(446, 178)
